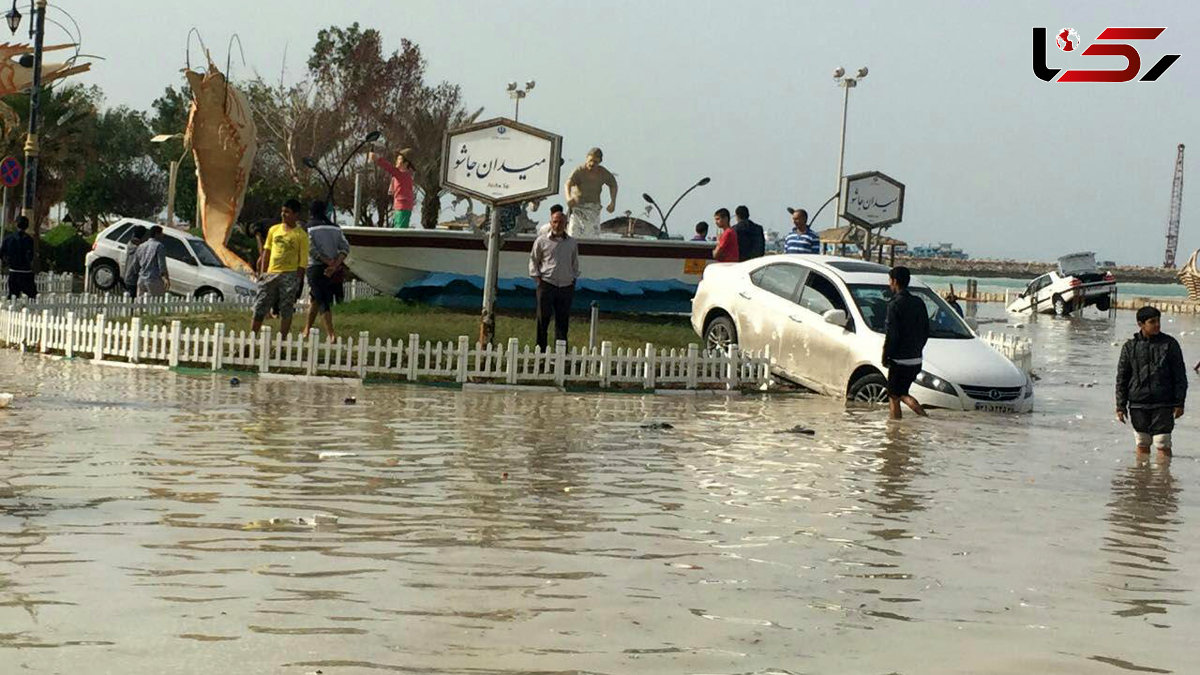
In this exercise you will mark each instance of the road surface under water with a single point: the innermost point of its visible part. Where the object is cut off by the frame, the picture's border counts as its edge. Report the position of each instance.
(519, 532)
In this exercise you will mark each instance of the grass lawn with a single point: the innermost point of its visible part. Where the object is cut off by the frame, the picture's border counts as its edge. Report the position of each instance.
(390, 318)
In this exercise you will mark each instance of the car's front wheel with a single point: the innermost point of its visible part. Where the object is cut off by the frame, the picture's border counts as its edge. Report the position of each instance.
(869, 388)
(209, 295)
(720, 334)
(105, 275)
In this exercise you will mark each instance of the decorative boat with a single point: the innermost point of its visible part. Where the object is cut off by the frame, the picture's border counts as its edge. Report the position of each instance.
(625, 274)
(1189, 276)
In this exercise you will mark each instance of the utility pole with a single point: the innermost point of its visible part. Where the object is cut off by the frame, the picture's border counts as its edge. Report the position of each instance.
(31, 140)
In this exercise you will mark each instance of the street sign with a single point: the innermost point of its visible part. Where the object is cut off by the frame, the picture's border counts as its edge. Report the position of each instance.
(10, 171)
(500, 161)
(872, 200)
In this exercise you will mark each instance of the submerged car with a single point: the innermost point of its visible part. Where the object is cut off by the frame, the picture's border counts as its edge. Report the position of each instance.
(1076, 283)
(822, 317)
(194, 269)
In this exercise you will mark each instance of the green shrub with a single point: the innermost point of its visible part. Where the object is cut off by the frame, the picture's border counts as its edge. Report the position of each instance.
(62, 250)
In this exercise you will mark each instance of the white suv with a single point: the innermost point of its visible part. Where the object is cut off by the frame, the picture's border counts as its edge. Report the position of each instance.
(194, 269)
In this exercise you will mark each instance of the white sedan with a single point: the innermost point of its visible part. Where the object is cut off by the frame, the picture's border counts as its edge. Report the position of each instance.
(822, 318)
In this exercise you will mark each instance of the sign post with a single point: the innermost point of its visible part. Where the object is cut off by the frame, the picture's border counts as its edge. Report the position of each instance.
(499, 161)
(872, 201)
(10, 175)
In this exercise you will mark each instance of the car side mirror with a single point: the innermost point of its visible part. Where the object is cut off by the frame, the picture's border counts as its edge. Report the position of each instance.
(836, 317)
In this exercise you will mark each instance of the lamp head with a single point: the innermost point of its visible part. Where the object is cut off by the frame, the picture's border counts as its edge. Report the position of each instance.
(648, 198)
(862, 72)
(373, 136)
(14, 18)
(529, 85)
(838, 72)
(704, 181)
(512, 86)
(160, 138)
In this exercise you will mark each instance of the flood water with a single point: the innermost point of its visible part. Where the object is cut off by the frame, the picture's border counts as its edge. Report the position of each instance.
(504, 532)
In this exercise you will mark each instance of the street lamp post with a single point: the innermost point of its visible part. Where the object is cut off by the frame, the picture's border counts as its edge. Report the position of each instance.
(172, 175)
(31, 140)
(662, 230)
(516, 94)
(846, 83)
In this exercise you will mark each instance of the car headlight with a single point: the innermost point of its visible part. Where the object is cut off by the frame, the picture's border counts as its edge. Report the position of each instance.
(935, 383)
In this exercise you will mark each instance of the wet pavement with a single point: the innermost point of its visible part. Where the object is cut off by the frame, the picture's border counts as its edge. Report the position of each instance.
(148, 524)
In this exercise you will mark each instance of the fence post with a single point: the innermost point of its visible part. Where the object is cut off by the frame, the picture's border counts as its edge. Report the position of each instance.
(594, 326)
(764, 371)
(414, 345)
(99, 337)
(218, 359)
(314, 340)
(363, 338)
(70, 347)
(513, 343)
(650, 367)
(24, 329)
(733, 360)
(43, 337)
(264, 353)
(173, 346)
(605, 363)
(560, 362)
(135, 338)
(463, 350)
(692, 365)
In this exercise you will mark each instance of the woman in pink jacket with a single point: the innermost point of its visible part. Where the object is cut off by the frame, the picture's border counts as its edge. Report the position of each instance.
(401, 188)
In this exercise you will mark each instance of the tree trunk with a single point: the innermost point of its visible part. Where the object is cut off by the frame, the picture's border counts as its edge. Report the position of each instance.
(431, 207)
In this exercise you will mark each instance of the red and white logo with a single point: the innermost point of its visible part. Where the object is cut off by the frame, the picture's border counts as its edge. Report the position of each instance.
(1068, 40)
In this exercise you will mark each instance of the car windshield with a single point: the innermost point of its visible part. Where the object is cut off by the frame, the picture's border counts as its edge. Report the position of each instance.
(206, 255)
(944, 322)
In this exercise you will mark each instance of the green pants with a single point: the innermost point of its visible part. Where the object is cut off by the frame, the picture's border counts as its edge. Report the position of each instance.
(400, 219)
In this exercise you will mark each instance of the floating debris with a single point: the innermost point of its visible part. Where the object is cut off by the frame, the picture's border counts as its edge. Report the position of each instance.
(658, 425)
(350, 400)
(233, 382)
(334, 454)
(5, 399)
(798, 429)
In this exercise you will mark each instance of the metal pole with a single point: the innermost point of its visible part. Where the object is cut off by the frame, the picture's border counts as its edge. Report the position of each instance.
(172, 175)
(4, 213)
(595, 324)
(31, 140)
(487, 320)
(517, 112)
(837, 204)
(357, 197)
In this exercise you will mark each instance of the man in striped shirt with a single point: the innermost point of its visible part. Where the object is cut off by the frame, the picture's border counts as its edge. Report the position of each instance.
(801, 239)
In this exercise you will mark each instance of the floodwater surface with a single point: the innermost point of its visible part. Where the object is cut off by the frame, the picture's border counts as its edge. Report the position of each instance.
(148, 524)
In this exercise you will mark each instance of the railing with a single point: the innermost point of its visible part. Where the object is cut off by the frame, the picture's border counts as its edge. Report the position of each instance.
(1018, 349)
(63, 330)
(49, 282)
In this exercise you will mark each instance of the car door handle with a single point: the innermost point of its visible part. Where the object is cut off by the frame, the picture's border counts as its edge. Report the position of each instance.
(796, 319)
(744, 294)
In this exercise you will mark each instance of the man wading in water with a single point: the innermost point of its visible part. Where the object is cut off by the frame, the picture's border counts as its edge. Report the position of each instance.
(904, 341)
(1151, 384)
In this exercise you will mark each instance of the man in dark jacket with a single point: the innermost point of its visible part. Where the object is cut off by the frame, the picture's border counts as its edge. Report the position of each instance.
(1151, 384)
(17, 253)
(907, 331)
(752, 243)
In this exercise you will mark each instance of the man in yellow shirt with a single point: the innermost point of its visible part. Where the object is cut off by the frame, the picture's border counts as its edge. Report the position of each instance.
(284, 258)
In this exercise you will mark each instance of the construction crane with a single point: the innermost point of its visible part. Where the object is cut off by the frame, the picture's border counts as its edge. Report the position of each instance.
(1176, 206)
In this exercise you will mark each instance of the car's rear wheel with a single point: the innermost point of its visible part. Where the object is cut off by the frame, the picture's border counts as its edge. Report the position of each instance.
(1060, 306)
(720, 334)
(869, 388)
(105, 275)
(209, 295)
(1103, 304)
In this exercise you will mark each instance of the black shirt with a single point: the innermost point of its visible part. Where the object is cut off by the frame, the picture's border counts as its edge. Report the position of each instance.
(17, 252)
(1151, 373)
(907, 327)
(751, 241)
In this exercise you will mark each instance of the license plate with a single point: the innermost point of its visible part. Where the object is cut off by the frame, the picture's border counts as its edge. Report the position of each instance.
(994, 407)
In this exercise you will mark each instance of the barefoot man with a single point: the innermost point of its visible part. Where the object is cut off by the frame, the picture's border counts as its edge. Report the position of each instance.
(583, 195)
(904, 341)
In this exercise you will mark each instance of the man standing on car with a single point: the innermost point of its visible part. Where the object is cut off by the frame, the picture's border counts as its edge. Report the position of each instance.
(150, 265)
(907, 331)
(554, 266)
(17, 252)
(285, 253)
(327, 250)
(1151, 384)
(752, 243)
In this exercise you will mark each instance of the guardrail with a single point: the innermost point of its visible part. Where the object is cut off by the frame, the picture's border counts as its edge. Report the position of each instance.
(72, 334)
(51, 282)
(1018, 349)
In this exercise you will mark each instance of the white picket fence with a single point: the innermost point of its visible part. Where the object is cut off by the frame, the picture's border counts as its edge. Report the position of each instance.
(84, 335)
(1018, 349)
(50, 282)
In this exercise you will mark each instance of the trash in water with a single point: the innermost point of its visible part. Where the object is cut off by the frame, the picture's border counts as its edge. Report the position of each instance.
(658, 425)
(334, 454)
(798, 429)
(318, 520)
(350, 400)
(233, 382)
(5, 399)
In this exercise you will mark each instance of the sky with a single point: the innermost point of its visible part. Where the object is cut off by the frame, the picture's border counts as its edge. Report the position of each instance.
(994, 160)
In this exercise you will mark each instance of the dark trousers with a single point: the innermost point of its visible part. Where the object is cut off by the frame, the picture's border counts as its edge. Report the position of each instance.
(553, 301)
(22, 283)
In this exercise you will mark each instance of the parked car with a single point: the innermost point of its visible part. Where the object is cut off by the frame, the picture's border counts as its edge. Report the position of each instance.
(194, 268)
(1075, 284)
(822, 317)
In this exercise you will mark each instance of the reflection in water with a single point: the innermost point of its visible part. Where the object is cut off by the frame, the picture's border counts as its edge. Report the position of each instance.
(1143, 516)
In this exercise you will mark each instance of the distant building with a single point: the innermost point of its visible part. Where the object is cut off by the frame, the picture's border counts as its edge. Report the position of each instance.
(940, 250)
